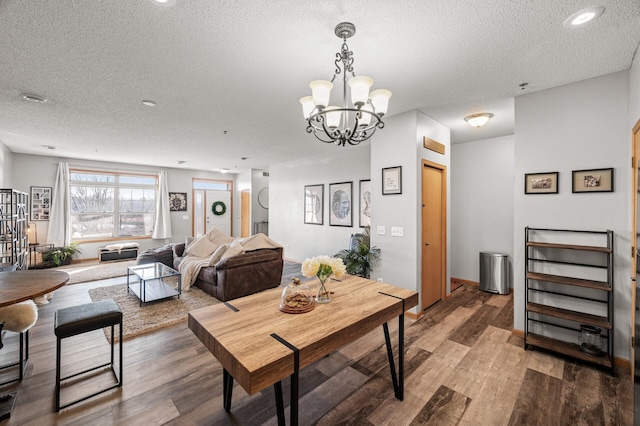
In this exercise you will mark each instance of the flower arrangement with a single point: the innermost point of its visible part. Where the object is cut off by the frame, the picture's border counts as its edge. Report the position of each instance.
(323, 267)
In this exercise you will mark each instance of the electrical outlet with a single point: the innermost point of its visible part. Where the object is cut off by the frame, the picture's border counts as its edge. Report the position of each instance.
(380, 280)
(382, 230)
(397, 231)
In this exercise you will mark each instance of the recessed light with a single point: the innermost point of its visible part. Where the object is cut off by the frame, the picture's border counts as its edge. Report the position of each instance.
(29, 97)
(165, 3)
(148, 103)
(181, 161)
(478, 120)
(583, 16)
(244, 158)
(49, 147)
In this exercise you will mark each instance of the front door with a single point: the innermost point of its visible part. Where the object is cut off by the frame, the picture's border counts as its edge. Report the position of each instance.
(221, 219)
(433, 233)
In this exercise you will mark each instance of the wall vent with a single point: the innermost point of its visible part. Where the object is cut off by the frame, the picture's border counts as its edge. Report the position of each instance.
(266, 174)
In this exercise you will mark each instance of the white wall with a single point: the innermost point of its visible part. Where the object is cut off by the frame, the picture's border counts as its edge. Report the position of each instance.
(34, 170)
(400, 143)
(6, 167)
(583, 125)
(286, 201)
(482, 185)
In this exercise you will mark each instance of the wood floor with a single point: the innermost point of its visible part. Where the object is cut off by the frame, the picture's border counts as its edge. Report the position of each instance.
(462, 366)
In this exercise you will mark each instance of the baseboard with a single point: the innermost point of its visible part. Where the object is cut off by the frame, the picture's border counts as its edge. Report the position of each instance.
(459, 281)
(517, 333)
(414, 316)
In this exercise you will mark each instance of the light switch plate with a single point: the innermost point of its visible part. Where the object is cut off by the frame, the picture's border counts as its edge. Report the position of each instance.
(397, 231)
(382, 230)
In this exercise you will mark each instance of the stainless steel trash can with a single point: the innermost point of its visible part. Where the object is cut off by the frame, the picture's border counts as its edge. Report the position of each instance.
(494, 272)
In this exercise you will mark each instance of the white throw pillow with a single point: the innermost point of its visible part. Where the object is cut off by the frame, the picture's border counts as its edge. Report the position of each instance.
(201, 247)
(215, 257)
(218, 237)
(235, 248)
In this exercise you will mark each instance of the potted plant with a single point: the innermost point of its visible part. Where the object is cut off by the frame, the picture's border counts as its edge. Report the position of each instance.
(61, 255)
(360, 258)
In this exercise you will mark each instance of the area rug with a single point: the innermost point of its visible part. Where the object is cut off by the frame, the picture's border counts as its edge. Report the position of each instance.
(151, 316)
(96, 271)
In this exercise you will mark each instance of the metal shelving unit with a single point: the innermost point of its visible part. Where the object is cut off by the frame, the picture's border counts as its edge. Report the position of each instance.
(14, 244)
(569, 286)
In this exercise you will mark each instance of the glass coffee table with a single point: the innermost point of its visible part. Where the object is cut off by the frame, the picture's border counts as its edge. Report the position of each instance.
(151, 284)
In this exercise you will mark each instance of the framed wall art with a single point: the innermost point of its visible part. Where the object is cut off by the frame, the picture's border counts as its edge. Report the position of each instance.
(392, 180)
(178, 201)
(593, 180)
(314, 204)
(340, 207)
(365, 203)
(40, 202)
(541, 183)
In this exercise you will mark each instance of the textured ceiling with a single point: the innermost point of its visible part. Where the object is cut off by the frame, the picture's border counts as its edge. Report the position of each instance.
(240, 66)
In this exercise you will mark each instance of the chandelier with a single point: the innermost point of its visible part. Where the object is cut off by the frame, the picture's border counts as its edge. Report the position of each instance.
(349, 124)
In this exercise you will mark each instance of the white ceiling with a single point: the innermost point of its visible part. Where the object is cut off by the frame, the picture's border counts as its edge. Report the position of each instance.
(240, 66)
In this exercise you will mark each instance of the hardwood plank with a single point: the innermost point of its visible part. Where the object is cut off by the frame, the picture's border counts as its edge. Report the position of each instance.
(469, 332)
(546, 363)
(445, 407)
(500, 300)
(436, 335)
(566, 348)
(578, 282)
(569, 246)
(596, 320)
(537, 393)
(420, 386)
(581, 401)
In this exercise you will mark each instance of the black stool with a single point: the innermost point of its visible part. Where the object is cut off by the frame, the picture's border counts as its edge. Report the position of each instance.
(81, 319)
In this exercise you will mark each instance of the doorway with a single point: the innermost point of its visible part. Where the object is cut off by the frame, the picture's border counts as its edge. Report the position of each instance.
(434, 233)
(635, 228)
(205, 217)
(245, 213)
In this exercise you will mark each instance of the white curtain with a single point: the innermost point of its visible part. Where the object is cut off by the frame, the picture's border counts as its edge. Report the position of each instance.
(59, 233)
(162, 219)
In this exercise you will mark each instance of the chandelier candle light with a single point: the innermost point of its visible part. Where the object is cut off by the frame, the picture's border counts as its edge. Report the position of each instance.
(349, 124)
(323, 267)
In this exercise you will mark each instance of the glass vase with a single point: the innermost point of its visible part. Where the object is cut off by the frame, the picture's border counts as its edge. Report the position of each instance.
(323, 294)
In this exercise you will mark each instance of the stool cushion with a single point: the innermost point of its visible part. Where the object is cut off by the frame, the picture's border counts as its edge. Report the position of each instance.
(90, 316)
(19, 317)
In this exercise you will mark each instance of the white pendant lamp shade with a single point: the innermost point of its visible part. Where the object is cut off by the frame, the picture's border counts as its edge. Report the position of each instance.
(321, 91)
(365, 118)
(380, 100)
(360, 89)
(307, 106)
(333, 117)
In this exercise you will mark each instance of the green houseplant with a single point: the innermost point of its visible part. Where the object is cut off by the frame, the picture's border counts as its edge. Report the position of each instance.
(360, 258)
(61, 255)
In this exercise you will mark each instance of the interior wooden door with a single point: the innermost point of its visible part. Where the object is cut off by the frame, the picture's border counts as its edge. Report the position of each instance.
(222, 221)
(434, 232)
(245, 214)
(635, 226)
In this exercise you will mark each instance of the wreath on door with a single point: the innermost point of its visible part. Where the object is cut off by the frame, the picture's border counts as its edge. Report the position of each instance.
(218, 208)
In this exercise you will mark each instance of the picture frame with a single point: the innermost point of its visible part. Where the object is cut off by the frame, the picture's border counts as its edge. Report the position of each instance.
(592, 180)
(365, 203)
(341, 204)
(392, 180)
(541, 183)
(178, 201)
(314, 204)
(40, 202)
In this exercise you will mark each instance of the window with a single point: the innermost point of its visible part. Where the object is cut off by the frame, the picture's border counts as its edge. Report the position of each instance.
(107, 205)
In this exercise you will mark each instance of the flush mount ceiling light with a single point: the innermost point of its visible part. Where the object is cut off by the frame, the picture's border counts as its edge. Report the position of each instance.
(349, 124)
(165, 3)
(583, 16)
(224, 170)
(148, 103)
(29, 97)
(478, 120)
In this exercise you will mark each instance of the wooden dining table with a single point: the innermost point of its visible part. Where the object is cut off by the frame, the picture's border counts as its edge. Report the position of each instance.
(259, 346)
(18, 286)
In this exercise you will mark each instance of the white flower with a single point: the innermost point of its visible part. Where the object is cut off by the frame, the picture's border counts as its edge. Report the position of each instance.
(317, 265)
